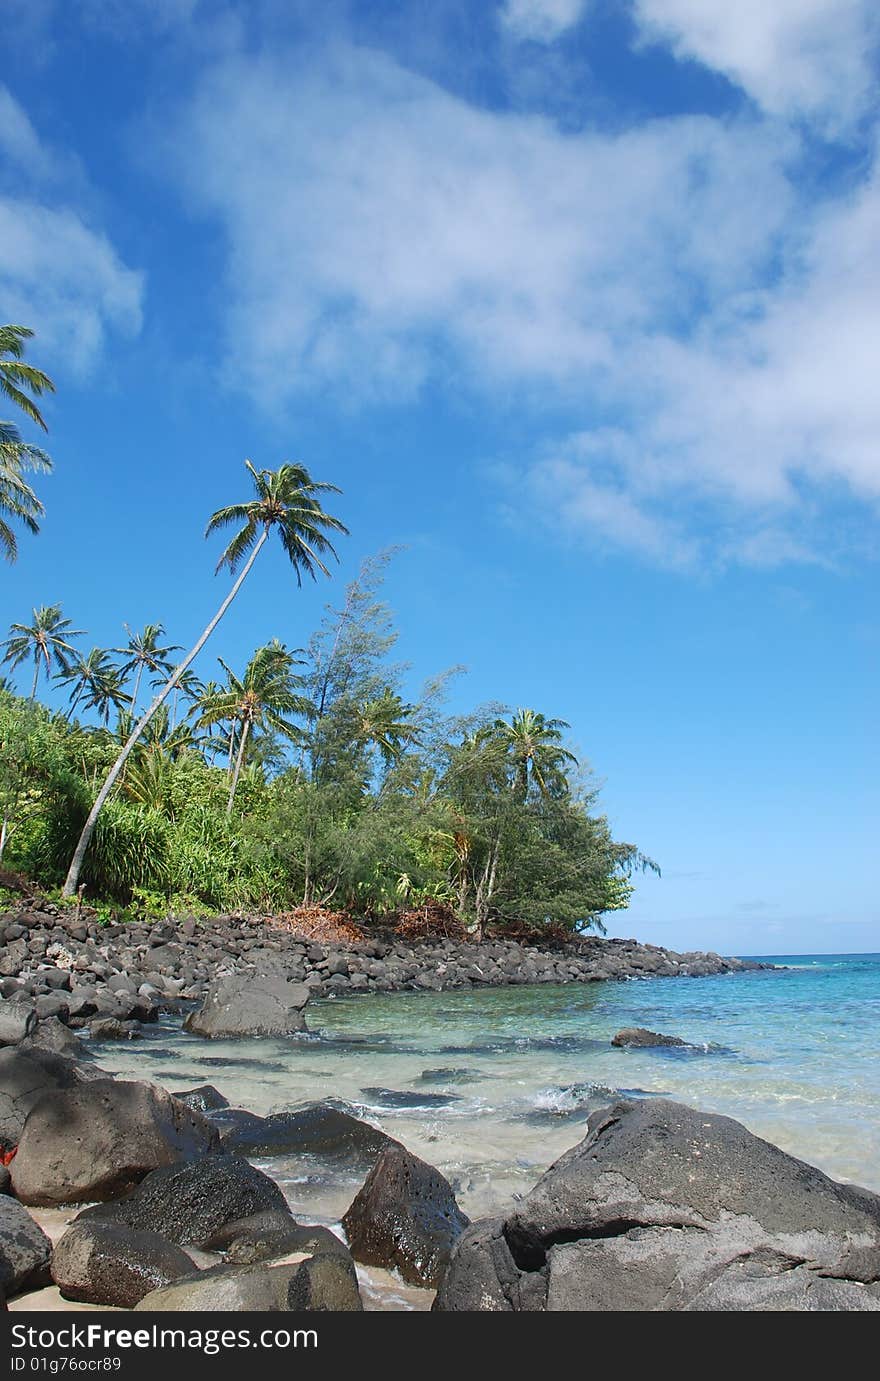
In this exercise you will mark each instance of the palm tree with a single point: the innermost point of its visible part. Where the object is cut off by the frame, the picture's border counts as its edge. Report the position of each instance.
(386, 722)
(258, 702)
(287, 501)
(534, 745)
(143, 653)
(207, 711)
(97, 683)
(19, 381)
(46, 640)
(17, 499)
(189, 686)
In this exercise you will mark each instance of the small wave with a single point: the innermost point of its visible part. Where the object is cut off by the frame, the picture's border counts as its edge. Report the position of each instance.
(566, 1102)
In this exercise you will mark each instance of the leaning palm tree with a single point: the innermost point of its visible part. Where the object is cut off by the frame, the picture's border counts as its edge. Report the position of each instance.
(287, 501)
(21, 382)
(46, 641)
(143, 652)
(17, 498)
(260, 702)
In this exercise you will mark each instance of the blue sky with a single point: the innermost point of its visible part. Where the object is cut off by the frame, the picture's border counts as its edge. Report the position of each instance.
(578, 301)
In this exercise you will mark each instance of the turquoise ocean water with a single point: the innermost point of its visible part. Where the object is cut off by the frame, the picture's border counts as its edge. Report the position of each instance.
(491, 1085)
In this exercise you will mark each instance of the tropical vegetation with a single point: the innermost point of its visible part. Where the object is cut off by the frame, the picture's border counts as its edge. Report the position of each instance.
(307, 776)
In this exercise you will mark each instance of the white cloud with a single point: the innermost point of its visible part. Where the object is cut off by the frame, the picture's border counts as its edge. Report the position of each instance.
(759, 426)
(372, 217)
(809, 58)
(671, 278)
(540, 21)
(19, 142)
(58, 275)
(64, 280)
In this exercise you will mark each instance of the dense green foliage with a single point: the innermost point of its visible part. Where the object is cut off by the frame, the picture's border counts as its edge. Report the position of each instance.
(305, 778)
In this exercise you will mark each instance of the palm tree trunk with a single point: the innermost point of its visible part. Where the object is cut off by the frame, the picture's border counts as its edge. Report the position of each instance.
(73, 872)
(36, 677)
(3, 832)
(238, 762)
(137, 687)
(73, 704)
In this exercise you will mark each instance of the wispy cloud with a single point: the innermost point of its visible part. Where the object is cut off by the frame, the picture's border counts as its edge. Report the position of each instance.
(540, 21)
(677, 288)
(374, 222)
(810, 58)
(58, 274)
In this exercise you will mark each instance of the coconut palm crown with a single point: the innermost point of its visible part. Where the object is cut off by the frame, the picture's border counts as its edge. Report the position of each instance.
(287, 502)
(46, 641)
(17, 499)
(20, 382)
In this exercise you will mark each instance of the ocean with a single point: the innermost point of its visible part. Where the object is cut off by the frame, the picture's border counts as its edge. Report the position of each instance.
(491, 1085)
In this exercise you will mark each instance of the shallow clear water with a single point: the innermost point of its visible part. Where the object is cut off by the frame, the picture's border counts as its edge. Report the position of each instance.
(491, 1085)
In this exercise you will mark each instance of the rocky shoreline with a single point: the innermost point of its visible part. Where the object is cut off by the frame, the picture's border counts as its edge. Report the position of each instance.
(110, 978)
(659, 1207)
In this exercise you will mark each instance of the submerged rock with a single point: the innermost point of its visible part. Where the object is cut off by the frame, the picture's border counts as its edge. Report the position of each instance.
(263, 1005)
(641, 1037)
(100, 1139)
(401, 1098)
(661, 1207)
(405, 1217)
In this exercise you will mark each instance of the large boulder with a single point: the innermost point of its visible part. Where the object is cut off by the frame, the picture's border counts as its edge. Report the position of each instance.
(192, 1203)
(661, 1207)
(24, 1247)
(25, 1076)
(265, 1244)
(319, 1130)
(109, 1263)
(100, 1139)
(17, 1020)
(405, 1217)
(54, 1037)
(268, 1224)
(262, 1005)
(325, 1283)
(205, 1097)
(316, 1284)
